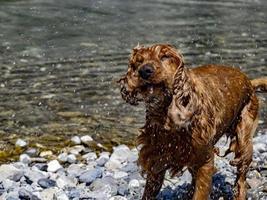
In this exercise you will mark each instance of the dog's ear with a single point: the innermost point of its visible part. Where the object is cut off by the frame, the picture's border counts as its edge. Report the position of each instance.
(176, 54)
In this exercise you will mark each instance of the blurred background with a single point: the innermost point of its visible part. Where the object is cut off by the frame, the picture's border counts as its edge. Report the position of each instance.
(60, 59)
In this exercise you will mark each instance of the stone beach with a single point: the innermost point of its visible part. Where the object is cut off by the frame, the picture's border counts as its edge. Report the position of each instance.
(80, 173)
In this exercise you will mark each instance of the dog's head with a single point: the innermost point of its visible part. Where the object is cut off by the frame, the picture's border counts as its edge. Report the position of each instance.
(149, 68)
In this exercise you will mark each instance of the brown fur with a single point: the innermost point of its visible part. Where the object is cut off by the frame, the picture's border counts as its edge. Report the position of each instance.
(187, 111)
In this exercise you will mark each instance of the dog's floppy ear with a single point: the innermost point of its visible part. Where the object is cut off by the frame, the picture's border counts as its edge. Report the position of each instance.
(176, 54)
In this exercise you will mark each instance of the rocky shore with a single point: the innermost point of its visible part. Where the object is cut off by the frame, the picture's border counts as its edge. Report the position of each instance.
(80, 173)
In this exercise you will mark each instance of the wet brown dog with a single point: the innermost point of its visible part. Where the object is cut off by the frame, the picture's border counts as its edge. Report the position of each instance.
(187, 111)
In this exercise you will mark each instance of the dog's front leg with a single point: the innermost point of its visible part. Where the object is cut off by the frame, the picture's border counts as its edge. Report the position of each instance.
(203, 179)
(153, 185)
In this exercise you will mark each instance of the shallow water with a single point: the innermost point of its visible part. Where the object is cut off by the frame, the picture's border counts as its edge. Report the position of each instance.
(59, 60)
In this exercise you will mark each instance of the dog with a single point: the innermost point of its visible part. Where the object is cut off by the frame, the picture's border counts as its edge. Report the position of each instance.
(187, 112)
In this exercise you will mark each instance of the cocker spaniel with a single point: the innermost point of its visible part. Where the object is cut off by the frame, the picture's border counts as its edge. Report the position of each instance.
(187, 112)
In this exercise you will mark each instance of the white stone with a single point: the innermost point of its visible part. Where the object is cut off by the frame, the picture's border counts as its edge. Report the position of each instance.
(71, 158)
(63, 157)
(75, 140)
(121, 153)
(7, 170)
(21, 143)
(260, 147)
(76, 150)
(89, 156)
(48, 194)
(86, 138)
(60, 195)
(134, 183)
(66, 181)
(117, 198)
(24, 158)
(53, 166)
(113, 165)
(120, 174)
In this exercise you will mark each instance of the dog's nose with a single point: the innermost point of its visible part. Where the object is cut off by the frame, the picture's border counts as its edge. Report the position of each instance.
(146, 71)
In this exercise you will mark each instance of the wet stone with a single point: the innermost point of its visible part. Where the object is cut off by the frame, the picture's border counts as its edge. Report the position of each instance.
(71, 158)
(26, 195)
(46, 183)
(21, 143)
(75, 140)
(53, 166)
(89, 176)
(63, 157)
(89, 156)
(24, 158)
(31, 152)
(17, 176)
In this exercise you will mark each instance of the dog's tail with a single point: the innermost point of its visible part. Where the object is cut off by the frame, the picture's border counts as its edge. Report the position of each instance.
(260, 84)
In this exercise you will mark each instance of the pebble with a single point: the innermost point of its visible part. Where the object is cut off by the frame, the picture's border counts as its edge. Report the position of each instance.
(86, 139)
(53, 166)
(46, 183)
(21, 143)
(46, 153)
(25, 159)
(134, 183)
(61, 195)
(75, 140)
(31, 152)
(89, 156)
(71, 158)
(120, 174)
(63, 157)
(89, 176)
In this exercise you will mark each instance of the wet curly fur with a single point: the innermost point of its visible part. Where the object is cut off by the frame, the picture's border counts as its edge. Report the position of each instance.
(187, 112)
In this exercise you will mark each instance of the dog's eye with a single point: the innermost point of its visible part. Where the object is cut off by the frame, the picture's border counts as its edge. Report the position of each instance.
(164, 57)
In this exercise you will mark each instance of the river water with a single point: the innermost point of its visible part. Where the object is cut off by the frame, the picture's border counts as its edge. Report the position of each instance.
(60, 59)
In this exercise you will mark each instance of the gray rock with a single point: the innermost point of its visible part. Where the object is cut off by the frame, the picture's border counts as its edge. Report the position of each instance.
(121, 153)
(113, 164)
(89, 176)
(24, 158)
(101, 161)
(61, 195)
(26, 194)
(21, 143)
(106, 182)
(134, 184)
(122, 187)
(120, 174)
(48, 194)
(75, 140)
(75, 170)
(46, 183)
(34, 174)
(71, 158)
(7, 170)
(53, 166)
(66, 181)
(254, 182)
(32, 152)
(9, 185)
(130, 167)
(63, 157)
(16, 176)
(89, 156)
(73, 193)
(260, 147)
(117, 198)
